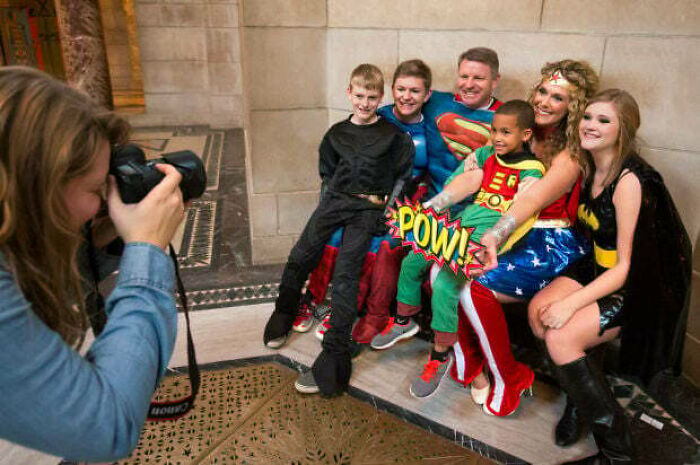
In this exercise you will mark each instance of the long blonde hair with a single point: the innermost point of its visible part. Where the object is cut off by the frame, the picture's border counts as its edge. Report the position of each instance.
(49, 135)
(627, 112)
(584, 82)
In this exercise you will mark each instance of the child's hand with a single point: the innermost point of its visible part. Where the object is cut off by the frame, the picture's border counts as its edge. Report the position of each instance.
(440, 202)
(556, 314)
(489, 255)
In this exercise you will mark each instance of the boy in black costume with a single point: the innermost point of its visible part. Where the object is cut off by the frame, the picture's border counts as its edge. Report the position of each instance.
(364, 162)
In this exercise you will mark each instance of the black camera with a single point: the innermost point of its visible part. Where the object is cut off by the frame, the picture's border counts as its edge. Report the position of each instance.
(136, 176)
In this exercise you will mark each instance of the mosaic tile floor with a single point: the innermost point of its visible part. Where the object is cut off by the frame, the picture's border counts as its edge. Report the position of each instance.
(251, 414)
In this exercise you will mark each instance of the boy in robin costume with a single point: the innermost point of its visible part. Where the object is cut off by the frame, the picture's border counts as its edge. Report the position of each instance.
(498, 172)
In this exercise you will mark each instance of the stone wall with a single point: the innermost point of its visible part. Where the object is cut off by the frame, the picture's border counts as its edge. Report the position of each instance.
(298, 54)
(190, 58)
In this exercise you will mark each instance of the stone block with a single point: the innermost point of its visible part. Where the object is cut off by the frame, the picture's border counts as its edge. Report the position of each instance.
(348, 48)
(419, 14)
(225, 78)
(661, 74)
(335, 116)
(691, 360)
(175, 77)
(177, 103)
(288, 67)
(269, 250)
(226, 103)
(640, 16)
(223, 15)
(694, 312)
(231, 119)
(263, 214)
(681, 172)
(223, 44)
(147, 14)
(284, 149)
(192, 15)
(172, 43)
(295, 210)
(521, 55)
(226, 111)
(284, 13)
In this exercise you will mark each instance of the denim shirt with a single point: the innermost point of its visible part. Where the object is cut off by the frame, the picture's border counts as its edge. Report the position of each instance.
(88, 408)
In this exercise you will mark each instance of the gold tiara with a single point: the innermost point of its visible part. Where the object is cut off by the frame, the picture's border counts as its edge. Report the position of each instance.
(558, 79)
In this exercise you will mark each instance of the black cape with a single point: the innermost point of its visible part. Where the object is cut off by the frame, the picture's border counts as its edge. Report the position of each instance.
(658, 284)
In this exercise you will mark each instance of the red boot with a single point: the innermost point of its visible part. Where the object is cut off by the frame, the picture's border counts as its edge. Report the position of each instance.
(469, 360)
(385, 277)
(510, 378)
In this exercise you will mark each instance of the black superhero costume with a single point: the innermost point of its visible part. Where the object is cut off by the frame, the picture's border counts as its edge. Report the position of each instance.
(656, 293)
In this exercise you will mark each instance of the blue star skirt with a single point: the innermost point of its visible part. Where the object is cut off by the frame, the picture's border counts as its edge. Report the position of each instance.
(534, 261)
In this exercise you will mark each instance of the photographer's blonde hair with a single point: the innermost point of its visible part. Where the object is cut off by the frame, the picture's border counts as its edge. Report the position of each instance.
(49, 135)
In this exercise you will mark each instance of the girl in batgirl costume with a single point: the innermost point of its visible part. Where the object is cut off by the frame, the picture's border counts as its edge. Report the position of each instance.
(634, 285)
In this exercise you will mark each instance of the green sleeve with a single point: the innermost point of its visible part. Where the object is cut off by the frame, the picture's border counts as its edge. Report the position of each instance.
(530, 174)
(455, 173)
(483, 154)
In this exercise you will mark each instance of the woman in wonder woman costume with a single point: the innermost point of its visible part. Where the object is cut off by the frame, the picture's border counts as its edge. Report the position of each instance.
(551, 245)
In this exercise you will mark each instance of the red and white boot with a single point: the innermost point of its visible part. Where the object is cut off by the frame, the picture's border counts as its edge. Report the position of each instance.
(510, 378)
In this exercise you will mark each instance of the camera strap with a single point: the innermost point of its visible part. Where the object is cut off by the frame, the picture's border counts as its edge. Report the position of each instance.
(174, 409)
(157, 411)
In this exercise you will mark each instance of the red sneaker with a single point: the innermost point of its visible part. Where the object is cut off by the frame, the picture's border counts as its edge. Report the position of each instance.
(305, 317)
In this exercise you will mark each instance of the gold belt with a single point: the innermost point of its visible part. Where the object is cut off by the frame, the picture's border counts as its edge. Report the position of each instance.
(552, 223)
(493, 201)
(372, 198)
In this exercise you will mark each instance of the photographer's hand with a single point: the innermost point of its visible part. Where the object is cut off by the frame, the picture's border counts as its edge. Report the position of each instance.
(155, 218)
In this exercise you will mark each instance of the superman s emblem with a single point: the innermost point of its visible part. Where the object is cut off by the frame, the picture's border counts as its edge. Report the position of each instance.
(462, 135)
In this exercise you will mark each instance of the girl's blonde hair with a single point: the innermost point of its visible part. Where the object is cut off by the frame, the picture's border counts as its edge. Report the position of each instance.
(49, 135)
(584, 84)
(627, 112)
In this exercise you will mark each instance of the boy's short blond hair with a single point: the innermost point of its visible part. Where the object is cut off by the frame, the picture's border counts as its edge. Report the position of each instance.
(368, 76)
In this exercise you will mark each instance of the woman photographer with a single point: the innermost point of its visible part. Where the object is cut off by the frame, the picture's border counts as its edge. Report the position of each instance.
(54, 159)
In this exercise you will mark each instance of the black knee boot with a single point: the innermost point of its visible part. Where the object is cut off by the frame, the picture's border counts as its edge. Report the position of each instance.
(282, 318)
(570, 426)
(591, 394)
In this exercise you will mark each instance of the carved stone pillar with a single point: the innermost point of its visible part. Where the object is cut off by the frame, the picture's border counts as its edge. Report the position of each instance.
(83, 48)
